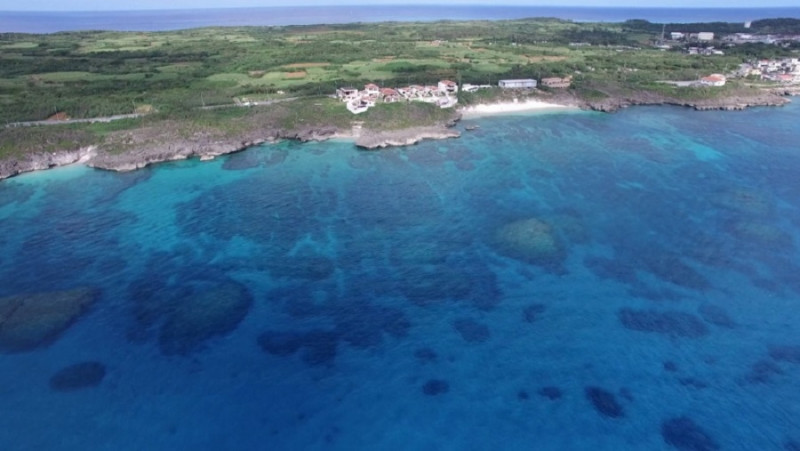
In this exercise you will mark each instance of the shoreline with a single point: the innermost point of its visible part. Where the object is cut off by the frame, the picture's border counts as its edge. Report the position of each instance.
(364, 139)
(514, 107)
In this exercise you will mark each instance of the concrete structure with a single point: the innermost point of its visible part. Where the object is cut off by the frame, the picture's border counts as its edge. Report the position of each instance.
(556, 82)
(675, 35)
(527, 83)
(372, 89)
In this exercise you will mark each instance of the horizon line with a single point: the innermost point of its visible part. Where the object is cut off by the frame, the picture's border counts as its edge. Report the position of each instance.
(406, 4)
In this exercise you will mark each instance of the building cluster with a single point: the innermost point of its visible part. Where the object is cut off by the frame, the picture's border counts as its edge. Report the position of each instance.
(784, 70)
(703, 36)
(443, 95)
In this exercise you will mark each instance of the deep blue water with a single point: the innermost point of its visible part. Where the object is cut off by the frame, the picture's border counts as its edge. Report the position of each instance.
(49, 22)
(558, 281)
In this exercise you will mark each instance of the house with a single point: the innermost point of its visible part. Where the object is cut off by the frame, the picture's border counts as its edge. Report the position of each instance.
(390, 95)
(527, 83)
(346, 93)
(675, 35)
(372, 89)
(556, 82)
(357, 106)
(705, 36)
(785, 78)
(448, 87)
(713, 80)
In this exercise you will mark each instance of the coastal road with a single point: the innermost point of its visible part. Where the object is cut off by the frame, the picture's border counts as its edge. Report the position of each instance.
(75, 121)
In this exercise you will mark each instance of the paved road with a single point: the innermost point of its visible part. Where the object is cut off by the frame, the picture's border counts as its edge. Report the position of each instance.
(133, 116)
(75, 121)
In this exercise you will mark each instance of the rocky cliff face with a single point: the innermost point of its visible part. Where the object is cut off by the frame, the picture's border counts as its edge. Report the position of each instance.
(44, 160)
(202, 147)
(726, 103)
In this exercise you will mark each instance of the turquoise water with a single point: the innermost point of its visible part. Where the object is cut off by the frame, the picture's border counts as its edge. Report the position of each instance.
(550, 281)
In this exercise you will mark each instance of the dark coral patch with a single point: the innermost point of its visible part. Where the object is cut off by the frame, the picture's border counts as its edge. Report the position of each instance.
(317, 347)
(308, 268)
(762, 371)
(684, 434)
(671, 268)
(670, 366)
(692, 383)
(426, 355)
(785, 353)
(435, 387)
(472, 331)
(78, 376)
(205, 312)
(241, 160)
(674, 323)
(551, 393)
(531, 313)
(522, 395)
(716, 315)
(604, 402)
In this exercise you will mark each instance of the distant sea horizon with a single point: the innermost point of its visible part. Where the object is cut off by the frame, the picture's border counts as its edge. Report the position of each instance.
(166, 20)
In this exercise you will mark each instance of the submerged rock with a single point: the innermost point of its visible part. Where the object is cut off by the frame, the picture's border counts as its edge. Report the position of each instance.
(762, 371)
(604, 402)
(472, 331)
(786, 353)
(551, 393)
(29, 321)
(435, 387)
(684, 434)
(674, 323)
(202, 315)
(317, 347)
(78, 376)
(716, 315)
(533, 241)
(531, 313)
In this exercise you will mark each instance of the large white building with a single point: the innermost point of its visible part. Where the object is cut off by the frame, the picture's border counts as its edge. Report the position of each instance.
(705, 36)
(518, 83)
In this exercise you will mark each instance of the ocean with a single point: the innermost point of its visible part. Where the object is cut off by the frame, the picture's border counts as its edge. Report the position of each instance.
(549, 281)
(51, 22)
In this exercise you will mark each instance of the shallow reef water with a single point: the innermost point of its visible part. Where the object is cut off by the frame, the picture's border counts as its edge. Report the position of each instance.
(555, 281)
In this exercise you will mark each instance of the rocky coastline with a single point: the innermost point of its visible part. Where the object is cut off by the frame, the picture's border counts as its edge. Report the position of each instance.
(143, 150)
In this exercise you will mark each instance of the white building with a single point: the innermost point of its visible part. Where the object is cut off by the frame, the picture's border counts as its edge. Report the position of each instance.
(675, 35)
(713, 80)
(705, 36)
(448, 87)
(528, 83)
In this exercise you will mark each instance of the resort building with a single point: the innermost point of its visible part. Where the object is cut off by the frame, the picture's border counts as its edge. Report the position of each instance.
(372, 89)
(346, 93)
(557, 82)
(448, 87)
(713, 80)
(527, 83)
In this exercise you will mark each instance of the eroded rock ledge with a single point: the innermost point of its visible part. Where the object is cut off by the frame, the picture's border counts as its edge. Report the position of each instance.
(404, 137)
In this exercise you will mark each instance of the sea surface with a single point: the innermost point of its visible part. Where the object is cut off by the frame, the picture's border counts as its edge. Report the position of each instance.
(50, 22)
(559, 281)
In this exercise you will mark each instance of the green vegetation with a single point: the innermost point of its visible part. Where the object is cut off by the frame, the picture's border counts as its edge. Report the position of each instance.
(171, 75)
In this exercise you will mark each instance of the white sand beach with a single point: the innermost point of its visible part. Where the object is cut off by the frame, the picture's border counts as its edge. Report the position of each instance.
(512, 107)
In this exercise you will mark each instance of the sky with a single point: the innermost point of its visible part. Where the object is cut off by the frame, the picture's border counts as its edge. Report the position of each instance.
(100, 5)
